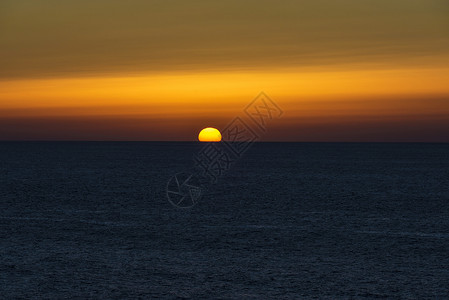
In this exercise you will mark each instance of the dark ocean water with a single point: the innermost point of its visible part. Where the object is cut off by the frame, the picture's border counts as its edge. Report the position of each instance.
(290, 220)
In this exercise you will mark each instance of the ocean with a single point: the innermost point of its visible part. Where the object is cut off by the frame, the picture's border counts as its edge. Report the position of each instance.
(92, 220)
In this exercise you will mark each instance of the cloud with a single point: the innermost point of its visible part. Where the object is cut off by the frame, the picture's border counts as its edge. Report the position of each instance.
(73, 38)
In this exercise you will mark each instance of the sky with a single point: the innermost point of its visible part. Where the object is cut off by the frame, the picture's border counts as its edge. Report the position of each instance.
(341, 70)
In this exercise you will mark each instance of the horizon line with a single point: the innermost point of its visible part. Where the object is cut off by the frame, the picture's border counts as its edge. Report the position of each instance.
(171, 141)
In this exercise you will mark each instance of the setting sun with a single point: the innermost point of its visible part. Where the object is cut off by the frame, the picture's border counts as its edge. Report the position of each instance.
(209, 134)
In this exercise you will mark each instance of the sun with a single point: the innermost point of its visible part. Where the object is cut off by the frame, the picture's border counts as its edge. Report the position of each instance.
(209, 134)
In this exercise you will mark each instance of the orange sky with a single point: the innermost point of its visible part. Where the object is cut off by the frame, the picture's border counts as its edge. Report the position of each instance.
(151, 71)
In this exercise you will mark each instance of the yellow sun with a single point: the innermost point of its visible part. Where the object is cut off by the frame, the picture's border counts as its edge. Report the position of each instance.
(209, 134)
